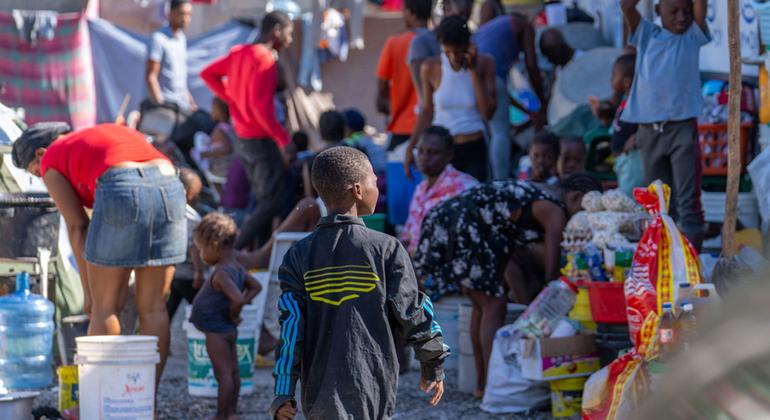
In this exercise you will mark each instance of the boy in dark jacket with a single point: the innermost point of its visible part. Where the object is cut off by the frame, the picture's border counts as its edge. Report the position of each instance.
(347, 293)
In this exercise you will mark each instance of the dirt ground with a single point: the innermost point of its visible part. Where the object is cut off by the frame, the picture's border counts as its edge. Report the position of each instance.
(175, 403)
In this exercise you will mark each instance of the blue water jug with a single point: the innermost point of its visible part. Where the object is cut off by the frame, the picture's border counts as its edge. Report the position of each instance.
(26, 338)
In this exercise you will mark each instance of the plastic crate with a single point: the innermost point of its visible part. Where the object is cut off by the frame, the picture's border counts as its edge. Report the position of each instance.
(713, 143)
(608, 302)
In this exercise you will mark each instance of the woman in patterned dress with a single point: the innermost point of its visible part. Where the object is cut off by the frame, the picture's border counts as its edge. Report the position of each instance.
(467, 240)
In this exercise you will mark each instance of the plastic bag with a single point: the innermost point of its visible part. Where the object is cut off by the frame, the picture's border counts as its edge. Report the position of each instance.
(507, 391)
(664, 256)
(627, 382)
(592, 201)
(615, 200)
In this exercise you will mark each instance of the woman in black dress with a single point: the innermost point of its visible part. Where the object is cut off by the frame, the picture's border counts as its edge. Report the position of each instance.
(466, 241)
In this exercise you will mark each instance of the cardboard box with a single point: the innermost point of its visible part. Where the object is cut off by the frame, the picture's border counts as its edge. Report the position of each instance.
(547, 359)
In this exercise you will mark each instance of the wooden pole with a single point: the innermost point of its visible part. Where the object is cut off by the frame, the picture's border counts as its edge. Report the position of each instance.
(733, 129)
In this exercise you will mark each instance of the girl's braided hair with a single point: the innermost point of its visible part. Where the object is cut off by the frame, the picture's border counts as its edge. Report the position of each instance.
(582, 182)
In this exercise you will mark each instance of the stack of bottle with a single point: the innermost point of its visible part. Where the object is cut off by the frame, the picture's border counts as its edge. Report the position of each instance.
(677, 330)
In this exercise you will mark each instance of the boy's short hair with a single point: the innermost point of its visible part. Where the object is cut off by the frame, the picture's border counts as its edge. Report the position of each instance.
(336, 170)
(274, 18)
(173, 4)
(626, 64)
(549, 139)
(573, 141)
(421, 9)
(217, 230)
(331, 124)
(300, 140)
(354, 120)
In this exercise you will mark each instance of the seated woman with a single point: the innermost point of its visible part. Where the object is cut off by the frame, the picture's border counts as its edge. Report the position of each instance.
(459, 94)
(442, 181)
(467, 240)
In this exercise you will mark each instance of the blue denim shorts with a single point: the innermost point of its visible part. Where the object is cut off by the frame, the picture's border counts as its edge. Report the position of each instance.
(138, 219)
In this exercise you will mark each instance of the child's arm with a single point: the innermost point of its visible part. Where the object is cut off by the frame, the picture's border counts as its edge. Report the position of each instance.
(290, 348)
(632, 15)
(221, 145)
(252, 289)
(197, 263)
(700, 10)
(413, 313)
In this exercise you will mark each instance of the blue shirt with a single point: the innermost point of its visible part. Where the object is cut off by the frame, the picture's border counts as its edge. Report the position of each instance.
(424, 45)
(667, 84)
(171, 52)
(496, 39)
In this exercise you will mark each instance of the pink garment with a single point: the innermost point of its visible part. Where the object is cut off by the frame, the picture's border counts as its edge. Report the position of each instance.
(450, 183)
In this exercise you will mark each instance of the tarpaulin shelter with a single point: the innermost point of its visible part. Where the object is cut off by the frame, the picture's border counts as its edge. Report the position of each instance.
(45, 66)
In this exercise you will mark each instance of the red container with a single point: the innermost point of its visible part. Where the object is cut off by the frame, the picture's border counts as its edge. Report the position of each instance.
(608, 302)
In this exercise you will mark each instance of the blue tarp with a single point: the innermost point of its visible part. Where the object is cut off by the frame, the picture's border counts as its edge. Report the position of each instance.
(119, 58)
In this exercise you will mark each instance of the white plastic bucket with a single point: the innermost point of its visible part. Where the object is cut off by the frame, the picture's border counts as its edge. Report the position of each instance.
(200, 374)
(445, 312)
(116, 375)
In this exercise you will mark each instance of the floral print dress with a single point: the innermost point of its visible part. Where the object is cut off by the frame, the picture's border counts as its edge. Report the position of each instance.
(464, 239)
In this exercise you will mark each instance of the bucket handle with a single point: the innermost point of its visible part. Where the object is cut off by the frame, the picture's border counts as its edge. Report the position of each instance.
(82, 360)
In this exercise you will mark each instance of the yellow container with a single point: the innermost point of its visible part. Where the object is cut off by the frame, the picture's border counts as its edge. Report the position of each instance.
(567, 396)
(68, 387)
(581, 311)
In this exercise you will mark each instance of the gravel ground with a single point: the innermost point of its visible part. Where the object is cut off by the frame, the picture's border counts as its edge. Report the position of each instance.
(175, 403)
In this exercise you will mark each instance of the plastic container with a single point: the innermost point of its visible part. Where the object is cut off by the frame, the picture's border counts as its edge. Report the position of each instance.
(713, 204)
(448, 312)
(200, 373)
(549, 307)
(608, 302)
(68, 387)
(26, 338)
(610, 347)
(581, 311)
(567, 396)
(713, 143)
(375, 221)
(400, 190)
(72, 327)
(466, 370)
(116, 375)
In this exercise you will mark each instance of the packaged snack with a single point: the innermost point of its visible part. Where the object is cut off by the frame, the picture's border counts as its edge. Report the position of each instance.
(592, 201)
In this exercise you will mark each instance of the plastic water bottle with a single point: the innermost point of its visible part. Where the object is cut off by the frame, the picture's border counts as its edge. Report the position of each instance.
(26, 338)
(549, 307)
(666, 334)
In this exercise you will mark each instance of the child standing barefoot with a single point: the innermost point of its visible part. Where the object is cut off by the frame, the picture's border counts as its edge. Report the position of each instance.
(217, 306)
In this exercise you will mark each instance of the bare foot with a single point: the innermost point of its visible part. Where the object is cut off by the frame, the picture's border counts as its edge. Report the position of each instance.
(478, 394)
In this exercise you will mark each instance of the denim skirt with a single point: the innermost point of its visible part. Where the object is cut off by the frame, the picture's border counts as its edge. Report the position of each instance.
(138, 219)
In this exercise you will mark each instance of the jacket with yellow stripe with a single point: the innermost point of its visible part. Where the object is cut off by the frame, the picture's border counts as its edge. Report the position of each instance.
(348, 292)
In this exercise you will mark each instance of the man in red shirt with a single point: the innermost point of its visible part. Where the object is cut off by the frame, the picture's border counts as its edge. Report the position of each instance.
(396, 95)
(247, 79)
